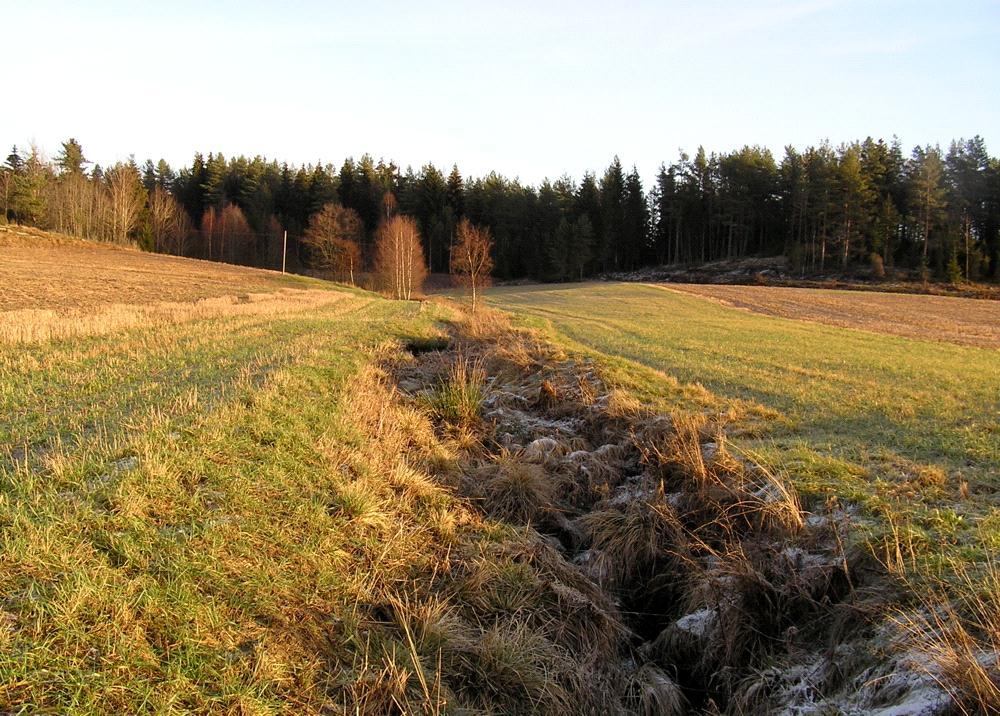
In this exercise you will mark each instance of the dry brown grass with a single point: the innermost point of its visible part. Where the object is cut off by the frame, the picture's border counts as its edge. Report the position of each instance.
(515, 490)
(33, 325)
(42, 272)
(725, 497)
(635, 540)
(957, 641)
(654, 693)
(53, 287)
(966, 321)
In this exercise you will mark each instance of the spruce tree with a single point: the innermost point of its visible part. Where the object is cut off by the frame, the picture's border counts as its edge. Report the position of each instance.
(149, 176)
(70, 159)
(27, 201)
(14, 161)
(635, 222)
(164, 175)
(609, 249)
(456, 192)
(557, 252)
(214, 183)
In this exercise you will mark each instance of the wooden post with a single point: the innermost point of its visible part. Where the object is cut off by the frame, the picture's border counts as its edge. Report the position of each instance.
(284, 252)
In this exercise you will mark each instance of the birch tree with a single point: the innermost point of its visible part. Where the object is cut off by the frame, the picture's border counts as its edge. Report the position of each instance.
(127, 198)
(399, 257)
(471, 258)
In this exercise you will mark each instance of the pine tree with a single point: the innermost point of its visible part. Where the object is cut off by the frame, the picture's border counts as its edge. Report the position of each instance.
(853, 198)
(927, 176)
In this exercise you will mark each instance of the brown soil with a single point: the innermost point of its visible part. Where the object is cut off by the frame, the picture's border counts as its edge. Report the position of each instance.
(965, 321)
(41, 272)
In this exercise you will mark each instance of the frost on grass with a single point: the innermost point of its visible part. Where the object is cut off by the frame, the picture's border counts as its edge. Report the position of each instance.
(728, 589)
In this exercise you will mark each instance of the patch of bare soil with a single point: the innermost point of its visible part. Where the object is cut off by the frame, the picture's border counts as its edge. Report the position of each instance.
(965, 321)
(673, 575)
(38, 273)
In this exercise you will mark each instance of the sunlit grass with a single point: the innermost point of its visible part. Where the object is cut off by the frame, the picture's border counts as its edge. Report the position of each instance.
(187, 510)
(893, 424)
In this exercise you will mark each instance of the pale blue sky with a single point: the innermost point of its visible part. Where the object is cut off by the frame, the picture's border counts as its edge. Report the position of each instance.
(529, 89)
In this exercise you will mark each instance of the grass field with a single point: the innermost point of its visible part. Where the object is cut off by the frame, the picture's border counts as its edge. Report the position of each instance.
(168, 543)
(905, 427)
(245, 496)
(934, 318)
(228, 507)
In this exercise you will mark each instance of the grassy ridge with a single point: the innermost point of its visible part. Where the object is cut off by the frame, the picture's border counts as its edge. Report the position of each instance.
(906, 427)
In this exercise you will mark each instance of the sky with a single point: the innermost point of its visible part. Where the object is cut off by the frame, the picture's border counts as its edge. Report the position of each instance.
(529, 89)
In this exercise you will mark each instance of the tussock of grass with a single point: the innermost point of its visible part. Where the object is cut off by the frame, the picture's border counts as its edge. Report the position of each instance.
(725, 497)
(460, 395)
(634, 540)
(514, 490)
(653, 693)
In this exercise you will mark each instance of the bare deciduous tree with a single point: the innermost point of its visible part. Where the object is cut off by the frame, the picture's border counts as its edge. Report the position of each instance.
(233, 232)
(127, 197)
(208, 220)
(333, 237)
(399, 257)
(471, 257)
(389, 206)
(273, 235)
(168, 222)
(6, 179)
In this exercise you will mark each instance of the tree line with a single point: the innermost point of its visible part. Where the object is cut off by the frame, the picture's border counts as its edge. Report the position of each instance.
(827, 209)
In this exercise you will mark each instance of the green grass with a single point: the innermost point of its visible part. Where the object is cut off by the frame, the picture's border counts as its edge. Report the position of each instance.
(212, 516)
(895, 424)
(181, 526)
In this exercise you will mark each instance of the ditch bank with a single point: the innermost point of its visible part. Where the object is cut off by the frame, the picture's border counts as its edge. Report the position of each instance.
(664, 572)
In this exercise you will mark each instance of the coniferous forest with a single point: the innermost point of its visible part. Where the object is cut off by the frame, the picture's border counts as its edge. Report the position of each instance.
(827, 209)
